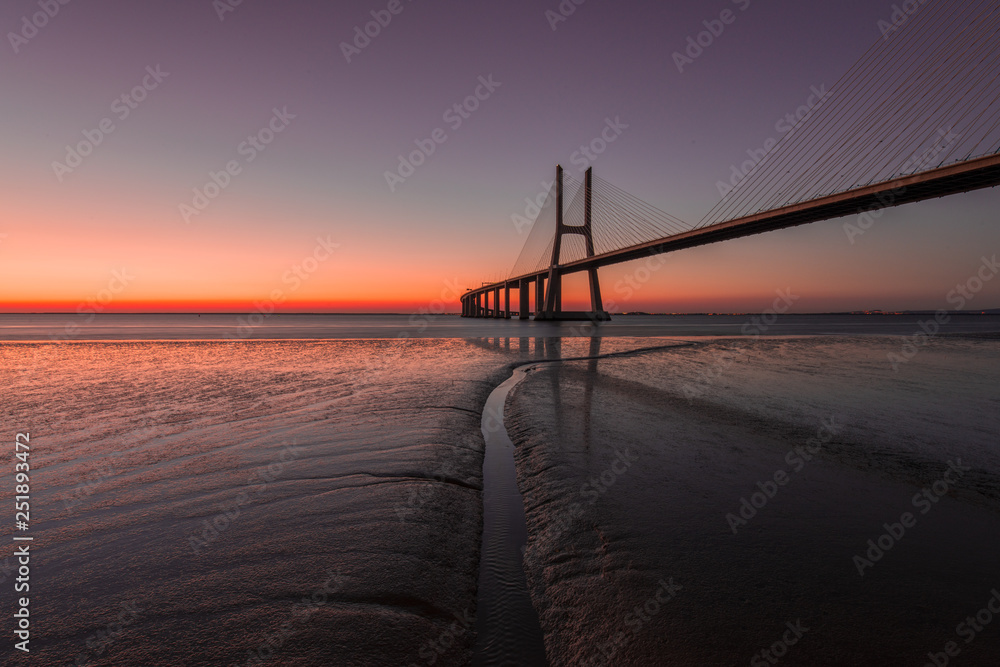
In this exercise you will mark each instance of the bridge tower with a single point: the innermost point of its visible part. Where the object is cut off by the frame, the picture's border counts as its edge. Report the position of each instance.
(552, 309)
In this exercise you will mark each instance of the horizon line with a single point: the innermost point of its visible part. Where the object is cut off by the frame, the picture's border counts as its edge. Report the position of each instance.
(873, 312)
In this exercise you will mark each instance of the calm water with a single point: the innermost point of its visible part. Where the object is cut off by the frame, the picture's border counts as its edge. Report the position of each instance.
(247, 326)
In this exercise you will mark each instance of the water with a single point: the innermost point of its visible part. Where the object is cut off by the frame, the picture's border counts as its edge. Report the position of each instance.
(507, 624)
(508, 632)
(71, 327)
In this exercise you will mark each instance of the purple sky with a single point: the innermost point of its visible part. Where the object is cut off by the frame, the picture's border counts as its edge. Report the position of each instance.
(324, 174)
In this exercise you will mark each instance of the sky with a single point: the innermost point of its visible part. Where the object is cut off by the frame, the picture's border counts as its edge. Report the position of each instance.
(191, 155)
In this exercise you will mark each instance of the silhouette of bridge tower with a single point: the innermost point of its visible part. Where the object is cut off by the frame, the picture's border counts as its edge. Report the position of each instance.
(552, 309)
(545, 281)
(917, 117)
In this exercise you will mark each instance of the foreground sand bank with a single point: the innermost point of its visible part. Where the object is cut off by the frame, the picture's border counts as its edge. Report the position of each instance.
(640, 548)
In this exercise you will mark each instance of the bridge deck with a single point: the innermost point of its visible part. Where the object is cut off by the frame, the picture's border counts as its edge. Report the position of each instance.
(953, 179)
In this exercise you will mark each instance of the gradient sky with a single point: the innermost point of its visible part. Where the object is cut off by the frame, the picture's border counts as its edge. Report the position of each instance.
(63, 236)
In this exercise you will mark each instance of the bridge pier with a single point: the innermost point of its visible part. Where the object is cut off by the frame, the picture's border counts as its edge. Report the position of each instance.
(539, 296)
(522, 293)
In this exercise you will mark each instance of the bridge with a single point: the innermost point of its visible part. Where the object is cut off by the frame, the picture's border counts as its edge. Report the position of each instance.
(917, 117)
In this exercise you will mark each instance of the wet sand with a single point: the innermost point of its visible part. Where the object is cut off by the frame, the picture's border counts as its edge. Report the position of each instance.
(634, 471)
(284, 502)
(223, 504)
(313, 503)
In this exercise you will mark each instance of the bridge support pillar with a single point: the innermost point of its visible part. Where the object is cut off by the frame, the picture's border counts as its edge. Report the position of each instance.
(522, 294)
(506, 301)
(539, 296)
(497, 312)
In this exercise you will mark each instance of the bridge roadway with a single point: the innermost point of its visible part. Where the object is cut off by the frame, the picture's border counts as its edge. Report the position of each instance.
(952, 179)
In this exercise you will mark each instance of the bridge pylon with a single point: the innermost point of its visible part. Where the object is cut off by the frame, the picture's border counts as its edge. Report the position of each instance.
(552, 309)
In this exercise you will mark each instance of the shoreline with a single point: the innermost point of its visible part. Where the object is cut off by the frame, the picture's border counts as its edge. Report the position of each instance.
(306, 328)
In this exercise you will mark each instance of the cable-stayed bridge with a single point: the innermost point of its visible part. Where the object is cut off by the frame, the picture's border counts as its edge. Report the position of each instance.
(917, 117)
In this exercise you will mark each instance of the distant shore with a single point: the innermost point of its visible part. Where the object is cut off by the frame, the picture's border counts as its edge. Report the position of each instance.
(282, 326)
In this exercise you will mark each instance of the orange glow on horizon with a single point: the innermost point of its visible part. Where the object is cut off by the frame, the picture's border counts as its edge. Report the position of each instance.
(203, 306)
